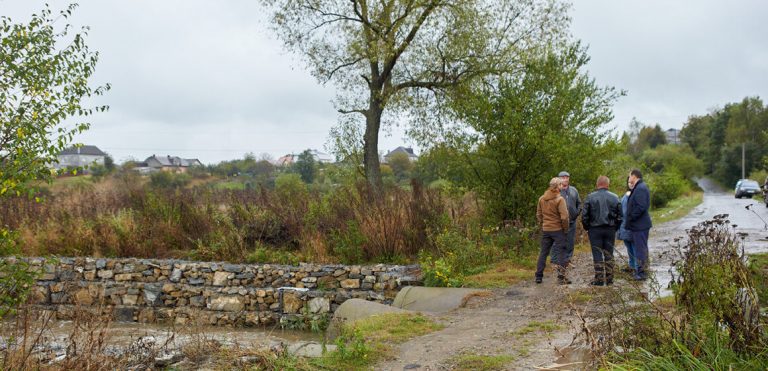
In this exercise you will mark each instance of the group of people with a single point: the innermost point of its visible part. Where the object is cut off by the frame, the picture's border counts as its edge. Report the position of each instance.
(604, 216)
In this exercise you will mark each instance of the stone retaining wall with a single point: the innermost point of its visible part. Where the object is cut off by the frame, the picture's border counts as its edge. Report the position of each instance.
(149, 291)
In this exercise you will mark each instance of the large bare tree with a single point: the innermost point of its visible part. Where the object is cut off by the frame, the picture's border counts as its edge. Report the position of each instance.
(392, 59)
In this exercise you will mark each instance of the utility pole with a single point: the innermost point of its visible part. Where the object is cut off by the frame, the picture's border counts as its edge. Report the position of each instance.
(742, 161)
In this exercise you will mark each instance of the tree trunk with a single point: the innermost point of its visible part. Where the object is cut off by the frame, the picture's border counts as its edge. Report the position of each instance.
(371, 145)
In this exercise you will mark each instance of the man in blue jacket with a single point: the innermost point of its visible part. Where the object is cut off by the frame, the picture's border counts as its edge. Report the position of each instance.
(639, 221)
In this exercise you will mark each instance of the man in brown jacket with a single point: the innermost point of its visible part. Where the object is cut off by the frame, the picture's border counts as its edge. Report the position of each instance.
(552, 218)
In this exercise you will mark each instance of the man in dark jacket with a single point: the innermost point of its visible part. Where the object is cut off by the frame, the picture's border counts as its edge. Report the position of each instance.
(571, 196)
(601, 218)
(639, 221)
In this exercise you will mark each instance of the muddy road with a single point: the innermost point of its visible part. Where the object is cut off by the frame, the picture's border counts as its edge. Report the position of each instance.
(751, 221)
(509, 323)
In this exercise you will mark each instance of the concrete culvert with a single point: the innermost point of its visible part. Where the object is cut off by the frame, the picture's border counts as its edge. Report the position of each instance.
(434, 299)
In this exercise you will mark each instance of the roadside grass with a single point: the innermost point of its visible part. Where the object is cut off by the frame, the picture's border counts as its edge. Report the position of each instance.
(666, 303)
(502, 274)
(581, 296)
(546, 327)
(367, 341)
(758, 270)
(466, 361)
(677, 208)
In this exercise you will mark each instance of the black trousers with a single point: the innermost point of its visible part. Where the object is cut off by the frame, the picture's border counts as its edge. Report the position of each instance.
(602, 240)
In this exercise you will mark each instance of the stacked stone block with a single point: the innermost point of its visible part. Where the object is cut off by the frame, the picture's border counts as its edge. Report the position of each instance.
(214, 293)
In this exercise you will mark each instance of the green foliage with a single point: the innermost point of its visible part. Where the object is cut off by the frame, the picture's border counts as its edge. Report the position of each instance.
(169, 180)
(347, 243)
(758, 272)
(401, 166)
(680, 157)
(715, 322)
(290, 187)
(306, 167)
(458, 255)
(476, 362)
(306, 321)
(42, 85)
(267, 255)
(666, 186)
(16, 280)
(711, 353)
(646, 137)
(525, 130)
(364, 342)
(392, 47)
(717, 138)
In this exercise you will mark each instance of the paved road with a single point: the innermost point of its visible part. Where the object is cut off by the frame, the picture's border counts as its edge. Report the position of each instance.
(716, 201)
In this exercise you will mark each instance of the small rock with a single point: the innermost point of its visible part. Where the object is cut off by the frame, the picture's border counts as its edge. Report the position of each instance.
(319, 305)
(175, 275)
(350, 284)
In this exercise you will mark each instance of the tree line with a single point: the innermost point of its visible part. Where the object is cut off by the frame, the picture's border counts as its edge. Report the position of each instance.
(718, 136)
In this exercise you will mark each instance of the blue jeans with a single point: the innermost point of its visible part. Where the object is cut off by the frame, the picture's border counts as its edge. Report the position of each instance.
(640, 241)
(631, 253)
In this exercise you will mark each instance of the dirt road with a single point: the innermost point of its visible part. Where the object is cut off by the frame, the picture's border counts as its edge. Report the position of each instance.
(526, 323)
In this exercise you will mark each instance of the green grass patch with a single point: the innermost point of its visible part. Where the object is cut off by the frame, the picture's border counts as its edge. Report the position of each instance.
(502, 274)
(547, 327)
(366, 341)
(481, 362)
(758, 270)
(581, 296)
(678, 207)
(230, 185)
(396, 327)
(666, 302)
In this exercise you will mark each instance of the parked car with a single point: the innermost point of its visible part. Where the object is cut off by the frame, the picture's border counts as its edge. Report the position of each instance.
(747, 187)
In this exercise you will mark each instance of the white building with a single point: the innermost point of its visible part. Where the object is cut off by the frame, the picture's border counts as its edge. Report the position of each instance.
(83, 156)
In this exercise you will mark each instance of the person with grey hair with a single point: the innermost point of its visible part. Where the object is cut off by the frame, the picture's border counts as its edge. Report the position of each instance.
(552, 219)
(573, 202)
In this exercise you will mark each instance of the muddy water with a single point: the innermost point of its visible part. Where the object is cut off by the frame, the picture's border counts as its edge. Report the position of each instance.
(123, 334)
(127, 338)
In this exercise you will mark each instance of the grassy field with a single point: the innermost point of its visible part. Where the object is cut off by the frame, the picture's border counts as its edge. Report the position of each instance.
(677, 208)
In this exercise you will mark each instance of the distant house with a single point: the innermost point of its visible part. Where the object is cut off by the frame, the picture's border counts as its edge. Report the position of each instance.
(167, 163)
(321, 156)
(286, 160)
(318, 156)
(673, 136)
(82, 156)
(406, 150)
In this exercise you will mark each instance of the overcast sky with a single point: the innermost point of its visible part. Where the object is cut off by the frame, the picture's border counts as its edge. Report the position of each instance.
(207, 80)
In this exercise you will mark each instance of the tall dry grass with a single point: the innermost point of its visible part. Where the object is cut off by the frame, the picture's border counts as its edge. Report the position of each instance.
(125, 217)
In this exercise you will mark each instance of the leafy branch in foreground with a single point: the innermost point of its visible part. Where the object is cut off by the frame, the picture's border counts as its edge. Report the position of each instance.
(44, 72)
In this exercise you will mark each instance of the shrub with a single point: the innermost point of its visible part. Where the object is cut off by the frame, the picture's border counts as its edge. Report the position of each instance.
(714, 323)
(166, 179)
(667, 186)
(347, 243)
